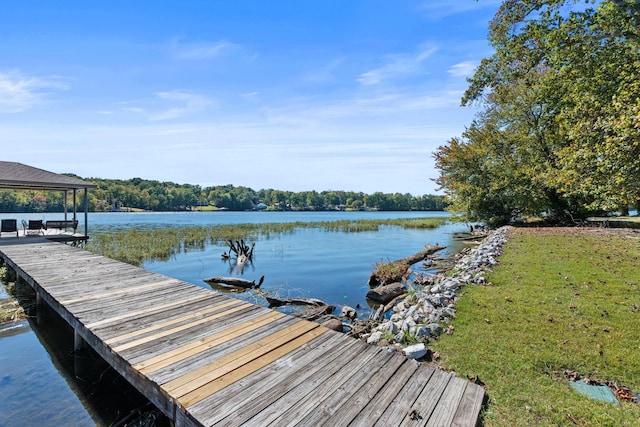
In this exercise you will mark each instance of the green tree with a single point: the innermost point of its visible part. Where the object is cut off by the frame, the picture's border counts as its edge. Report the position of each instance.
(559, 128)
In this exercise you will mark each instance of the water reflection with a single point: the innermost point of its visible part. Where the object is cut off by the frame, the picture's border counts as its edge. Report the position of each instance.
(44, 382)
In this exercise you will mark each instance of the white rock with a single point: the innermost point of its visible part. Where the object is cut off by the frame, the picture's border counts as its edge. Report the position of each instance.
(415, 351)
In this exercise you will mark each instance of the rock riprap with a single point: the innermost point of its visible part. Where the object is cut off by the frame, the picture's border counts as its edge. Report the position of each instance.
(422, 313)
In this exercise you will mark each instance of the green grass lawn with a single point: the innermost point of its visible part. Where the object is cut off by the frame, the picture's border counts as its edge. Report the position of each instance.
(561, 299)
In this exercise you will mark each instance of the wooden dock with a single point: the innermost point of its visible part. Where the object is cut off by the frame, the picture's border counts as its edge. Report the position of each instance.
(206, 359)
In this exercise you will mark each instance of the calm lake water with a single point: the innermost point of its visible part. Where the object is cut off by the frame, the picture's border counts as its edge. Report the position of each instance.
(42, 383)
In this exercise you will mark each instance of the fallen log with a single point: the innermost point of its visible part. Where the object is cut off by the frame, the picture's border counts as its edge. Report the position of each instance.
(236, 281)
(395, 271)
(277, 302)
(386, 293)
(315, 313)
(383, 308)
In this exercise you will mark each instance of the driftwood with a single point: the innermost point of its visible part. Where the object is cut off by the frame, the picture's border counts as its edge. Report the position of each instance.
(473, 236)
(376, 278)
(277, 302)
(240, 252)
(241, 249)
(236, 281)
(386, 293)
(315, 313)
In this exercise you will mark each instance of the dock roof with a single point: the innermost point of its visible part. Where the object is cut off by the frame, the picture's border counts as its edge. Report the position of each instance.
(17, 176)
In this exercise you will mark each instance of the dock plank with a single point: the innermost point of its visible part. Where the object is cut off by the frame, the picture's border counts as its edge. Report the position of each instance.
(197, 378)
(299, 401)
(248, 396)
(197, 332)
(216, 353)
(189, 349)
(373, 410)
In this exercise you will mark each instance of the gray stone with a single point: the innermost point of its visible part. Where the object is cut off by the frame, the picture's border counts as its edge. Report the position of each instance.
(435, 289)
(389, 327)
(415, 351)
(427, 307)
(349, 312)
(418, 317)
(434, 329)
(448, 311)
(374, 338)
(396, 317)
(422, 332)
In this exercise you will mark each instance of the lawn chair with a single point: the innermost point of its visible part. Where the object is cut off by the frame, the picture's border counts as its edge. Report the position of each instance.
(9, 226)
(34, 227)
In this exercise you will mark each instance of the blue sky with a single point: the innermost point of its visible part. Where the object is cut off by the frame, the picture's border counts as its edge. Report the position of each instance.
(292, 95)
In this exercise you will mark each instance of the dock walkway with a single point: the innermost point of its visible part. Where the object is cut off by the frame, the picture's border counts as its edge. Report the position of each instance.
(207, 359)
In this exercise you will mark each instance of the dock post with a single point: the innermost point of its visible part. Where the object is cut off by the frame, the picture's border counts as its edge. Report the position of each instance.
(78, 342)
(79, 362)
(39, 309)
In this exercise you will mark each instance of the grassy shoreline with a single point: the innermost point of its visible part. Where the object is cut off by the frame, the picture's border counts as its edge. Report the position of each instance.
(561, 299)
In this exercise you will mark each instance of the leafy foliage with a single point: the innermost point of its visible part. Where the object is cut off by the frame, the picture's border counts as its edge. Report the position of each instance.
(559, 132)
(169, 196)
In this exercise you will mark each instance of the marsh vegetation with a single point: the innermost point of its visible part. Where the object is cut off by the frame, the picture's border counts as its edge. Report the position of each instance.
(135, 245)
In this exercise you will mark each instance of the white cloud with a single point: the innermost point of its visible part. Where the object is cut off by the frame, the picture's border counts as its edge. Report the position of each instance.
(463, 69)
(250, 96)
(19, 92)
(202, 50)
(168, 105)
(326, 73)
(187, 103)
(397, 65)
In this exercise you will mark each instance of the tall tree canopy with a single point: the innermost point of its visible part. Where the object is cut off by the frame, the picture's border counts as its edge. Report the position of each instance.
(559, 129)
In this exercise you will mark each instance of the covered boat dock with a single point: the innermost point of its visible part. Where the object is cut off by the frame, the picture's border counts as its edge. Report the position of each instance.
(17, 176)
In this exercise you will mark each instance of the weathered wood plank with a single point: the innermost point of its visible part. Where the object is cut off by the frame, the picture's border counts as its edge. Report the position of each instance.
(233, 375)
(151, 349)
(120, 292)
(192, 363)
(123, 316)
(248, 396)
(183, 319)
(400, 406)
(162, 334)
(330, 410)
(89, 311)
(470, 406)
(189, 382)
(383, 399)
(443, 413)
(142, 312)
(200, 345)
(350, 405)
(298, 401)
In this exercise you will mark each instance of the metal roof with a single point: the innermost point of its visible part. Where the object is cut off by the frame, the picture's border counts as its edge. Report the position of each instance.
(17, 176)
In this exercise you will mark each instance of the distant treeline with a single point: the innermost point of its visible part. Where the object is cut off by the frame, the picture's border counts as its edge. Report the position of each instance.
(138, 193)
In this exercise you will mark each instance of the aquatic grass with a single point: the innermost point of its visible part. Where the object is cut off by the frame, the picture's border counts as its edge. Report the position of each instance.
(10, 308)
(558, 301)
(136, 245)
